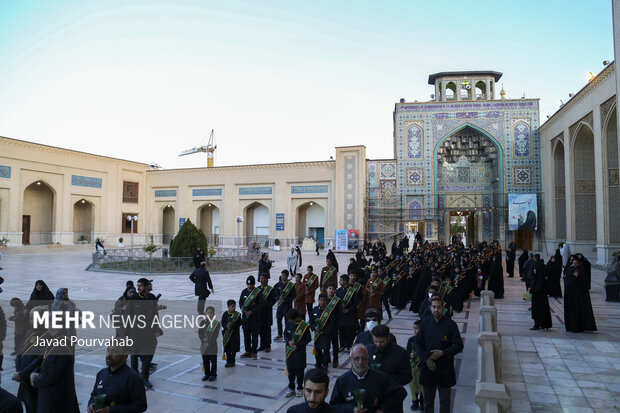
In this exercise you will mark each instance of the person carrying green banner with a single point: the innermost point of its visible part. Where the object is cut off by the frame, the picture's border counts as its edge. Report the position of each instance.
(296, 336)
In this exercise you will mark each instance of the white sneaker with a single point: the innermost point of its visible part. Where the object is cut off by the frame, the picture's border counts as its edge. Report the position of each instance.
(298, 393)
(289, 393)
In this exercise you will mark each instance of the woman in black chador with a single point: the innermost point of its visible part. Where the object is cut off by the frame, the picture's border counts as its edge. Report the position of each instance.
(496, 277)
(541, 313)
(554, 274)
(578, 314)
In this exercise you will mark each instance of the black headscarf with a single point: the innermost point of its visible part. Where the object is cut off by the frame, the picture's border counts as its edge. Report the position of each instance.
(43, 297)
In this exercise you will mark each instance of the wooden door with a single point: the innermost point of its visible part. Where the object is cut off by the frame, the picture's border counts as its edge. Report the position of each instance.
(25, 229)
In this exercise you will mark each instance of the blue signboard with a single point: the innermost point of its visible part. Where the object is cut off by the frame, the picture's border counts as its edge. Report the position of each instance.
(181, 222)
(279, 222)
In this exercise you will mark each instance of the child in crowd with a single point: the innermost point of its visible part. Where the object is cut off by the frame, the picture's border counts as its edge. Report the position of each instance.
(208, 334)
(414, 360)
(231, 321)
(296, 336)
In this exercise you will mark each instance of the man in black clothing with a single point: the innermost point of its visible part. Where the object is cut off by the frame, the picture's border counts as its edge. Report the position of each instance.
(264, 265)
(316, 388)
(373, 319)
(285, 292)
(389, 357)
(437, 342)
(296, 336)
(382, 393)
(123, 387)
(199, 256)
(143, 305)
(55, 382)
(347, 322)
(251, 305)
(202, 280)
(266, 315)
(323, 325)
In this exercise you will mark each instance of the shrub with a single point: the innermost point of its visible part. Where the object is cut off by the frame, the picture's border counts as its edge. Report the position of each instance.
(150, 248)
(187, 240)
(276, 241)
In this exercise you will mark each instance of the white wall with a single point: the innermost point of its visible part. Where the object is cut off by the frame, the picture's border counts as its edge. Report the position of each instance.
(315, 217)
(261, 220)
(215, 219)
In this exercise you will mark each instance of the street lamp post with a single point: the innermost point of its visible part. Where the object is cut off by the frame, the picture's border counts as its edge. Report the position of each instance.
(131, 219)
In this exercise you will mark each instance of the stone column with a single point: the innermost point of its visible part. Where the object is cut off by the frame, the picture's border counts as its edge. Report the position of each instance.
(600, 169)
(487, 94)
(443, 91)
(458, 90)
(569, 187)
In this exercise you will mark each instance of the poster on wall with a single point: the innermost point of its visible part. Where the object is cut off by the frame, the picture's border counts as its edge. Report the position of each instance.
(181, 222)
(353, 235)
(522, 212)
(341, 240)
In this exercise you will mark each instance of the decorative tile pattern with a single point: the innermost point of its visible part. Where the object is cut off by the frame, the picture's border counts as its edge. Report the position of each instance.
(415, 176)
(309, 189)
(486, 217)
(165, 193)
(350, 163)
(373, 179)
(87, 181)
(388, 170)
(614, 177)
(522, 175)
(388, 194)
(415, 142)
(207, 192)
(521, 140)
(560, 191)
(415, 206)
(429, 230)
(462, 175)
(585, 186)
(5, 171)
(259, 190)
(441, 227)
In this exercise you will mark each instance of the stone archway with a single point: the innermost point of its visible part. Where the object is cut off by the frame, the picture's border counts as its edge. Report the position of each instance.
(38, 213)
(584, 184)
(209, 222)
(83, 221)
(168, 224)
(257, 224)
(311, 222)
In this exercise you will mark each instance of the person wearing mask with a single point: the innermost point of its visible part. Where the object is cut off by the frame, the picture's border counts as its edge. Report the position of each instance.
(117, 387)
(373, 319)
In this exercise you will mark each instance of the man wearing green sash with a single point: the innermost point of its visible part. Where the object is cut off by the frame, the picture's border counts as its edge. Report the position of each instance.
(208, 334)
(296, 336)
(285, 293)
(266, 315)
(347, 322)
(323, 323)
(231, 321)
(329, 275)
(251, 303)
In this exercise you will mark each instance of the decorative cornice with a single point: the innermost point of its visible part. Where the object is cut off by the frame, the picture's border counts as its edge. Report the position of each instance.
(585, 91)
(55, 149)
(288, 165)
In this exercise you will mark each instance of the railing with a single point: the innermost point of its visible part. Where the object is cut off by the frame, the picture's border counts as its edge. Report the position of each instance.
(491, 394)
(160, 262)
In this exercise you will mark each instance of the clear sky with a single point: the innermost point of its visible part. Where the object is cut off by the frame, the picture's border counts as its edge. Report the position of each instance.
(279, 81)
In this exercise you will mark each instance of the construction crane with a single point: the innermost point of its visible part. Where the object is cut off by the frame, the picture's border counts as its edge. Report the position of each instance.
(209, 149)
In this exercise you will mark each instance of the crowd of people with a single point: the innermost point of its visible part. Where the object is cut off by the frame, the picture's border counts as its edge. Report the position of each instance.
(338, 313)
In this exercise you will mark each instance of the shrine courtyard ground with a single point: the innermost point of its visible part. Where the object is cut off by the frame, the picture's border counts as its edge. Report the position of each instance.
(546, 371)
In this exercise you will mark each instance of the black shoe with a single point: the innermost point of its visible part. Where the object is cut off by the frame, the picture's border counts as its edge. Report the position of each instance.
(205, 377)
(14, 353)
(212, 378)
(415, 405)
(267, 349)
(260, 348)
(535, 328)
(227, 364)
(147, 384)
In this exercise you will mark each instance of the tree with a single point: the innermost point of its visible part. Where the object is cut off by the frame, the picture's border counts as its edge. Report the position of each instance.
(187, 240)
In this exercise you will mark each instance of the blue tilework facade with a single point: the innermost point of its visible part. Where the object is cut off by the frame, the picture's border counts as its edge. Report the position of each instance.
(207, 192)
(5, 171)
(309, 189)
(165, 193)
(512, 125)
(77, 180)
(259, 190)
